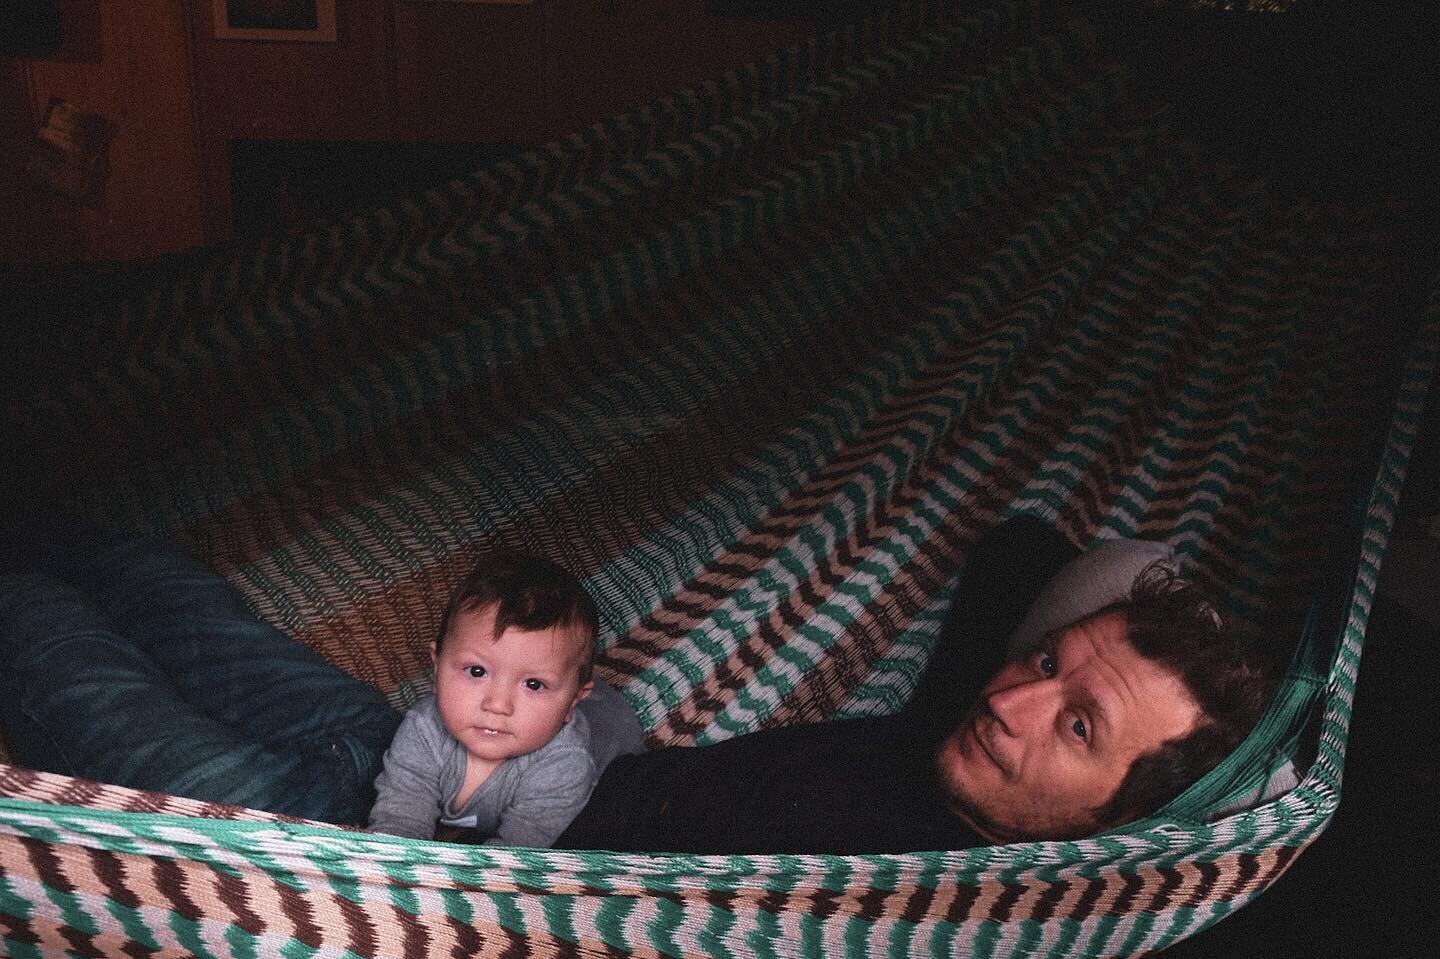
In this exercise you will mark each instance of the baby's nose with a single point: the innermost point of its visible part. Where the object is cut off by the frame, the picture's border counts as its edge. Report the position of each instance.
(496, 700)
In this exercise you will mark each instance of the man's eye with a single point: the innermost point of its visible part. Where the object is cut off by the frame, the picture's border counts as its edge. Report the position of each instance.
(475, 671)
(535, 685)
(1078, 728)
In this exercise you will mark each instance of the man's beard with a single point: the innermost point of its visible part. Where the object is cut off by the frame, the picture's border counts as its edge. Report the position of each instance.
(963, 806)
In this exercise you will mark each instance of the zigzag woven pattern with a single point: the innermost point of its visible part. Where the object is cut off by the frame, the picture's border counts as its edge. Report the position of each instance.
(759, 361)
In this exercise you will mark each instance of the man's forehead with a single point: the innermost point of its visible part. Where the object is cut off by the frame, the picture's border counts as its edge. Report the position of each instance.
(1136, 696)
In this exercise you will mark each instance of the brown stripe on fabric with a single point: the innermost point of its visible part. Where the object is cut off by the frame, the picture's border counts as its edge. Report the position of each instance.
(516, 944)
(294, 905)
(690, 717)
(415, 941)
(18, 929)
(991, 890)
(1210, 873)
(147, 802)
(724, 901)
(1003, 907)
(361, 935)
(1242, 880)
(109, 869)
(1170, 881)
(13, 860)
(81, 792)
(170, 882)
(1092, 892)
(16, 781)
(872, 903)
(960, 899)
(1047, 904)
(47, 866)
(919, 903)
(240, 894)
(1130, 885)
(848, 662)
(86, 871)
(51, 937)
(823, 903)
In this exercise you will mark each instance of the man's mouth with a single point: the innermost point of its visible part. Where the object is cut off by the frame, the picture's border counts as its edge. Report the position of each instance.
(981, 744)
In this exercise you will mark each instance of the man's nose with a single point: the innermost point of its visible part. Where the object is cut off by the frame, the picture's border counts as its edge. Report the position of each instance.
(1022, 706)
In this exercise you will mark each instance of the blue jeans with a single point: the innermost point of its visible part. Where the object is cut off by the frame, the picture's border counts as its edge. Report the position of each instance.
(128, 662)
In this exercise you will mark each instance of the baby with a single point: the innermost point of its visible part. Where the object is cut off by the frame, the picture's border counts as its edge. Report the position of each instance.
(517, 730)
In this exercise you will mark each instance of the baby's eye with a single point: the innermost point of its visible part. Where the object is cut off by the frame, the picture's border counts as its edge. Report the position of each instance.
(534, 684)
(1049, 665)
(1078, 728)
(475, 671)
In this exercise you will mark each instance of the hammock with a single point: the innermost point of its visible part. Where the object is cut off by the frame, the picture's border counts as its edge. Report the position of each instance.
(760, 361)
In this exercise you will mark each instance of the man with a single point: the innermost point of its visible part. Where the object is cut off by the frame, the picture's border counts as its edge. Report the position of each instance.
(129, 663)
(1110, 718)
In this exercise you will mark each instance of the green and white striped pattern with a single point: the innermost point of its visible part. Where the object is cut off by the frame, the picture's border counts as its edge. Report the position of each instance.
(759, 361)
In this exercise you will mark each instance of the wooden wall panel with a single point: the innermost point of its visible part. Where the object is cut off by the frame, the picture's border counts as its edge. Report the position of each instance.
(130, 65)
(298, 90)
(262, 89)
(470, 72)
(605, 56)
(399, 70)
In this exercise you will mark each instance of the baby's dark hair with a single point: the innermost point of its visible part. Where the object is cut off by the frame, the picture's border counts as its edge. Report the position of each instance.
(529, 593)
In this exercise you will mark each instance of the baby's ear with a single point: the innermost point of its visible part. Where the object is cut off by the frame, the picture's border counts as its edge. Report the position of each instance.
(434, 653)
(580, 694)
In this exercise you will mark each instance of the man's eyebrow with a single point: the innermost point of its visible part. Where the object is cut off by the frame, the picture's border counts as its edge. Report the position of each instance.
(1094, 707)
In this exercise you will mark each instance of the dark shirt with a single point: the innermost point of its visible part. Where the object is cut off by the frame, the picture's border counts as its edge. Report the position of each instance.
(849, 787)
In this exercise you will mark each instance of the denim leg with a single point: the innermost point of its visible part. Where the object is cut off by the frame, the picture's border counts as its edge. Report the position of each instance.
(249, 695)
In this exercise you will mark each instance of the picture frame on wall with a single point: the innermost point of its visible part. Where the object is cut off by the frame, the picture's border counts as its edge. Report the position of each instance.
(304, 20)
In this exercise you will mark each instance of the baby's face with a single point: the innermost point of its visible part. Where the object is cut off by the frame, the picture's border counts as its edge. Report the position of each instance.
(508, 695)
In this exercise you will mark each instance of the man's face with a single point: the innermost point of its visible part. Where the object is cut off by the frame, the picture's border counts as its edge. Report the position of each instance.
(508, 695)
(1052, 736)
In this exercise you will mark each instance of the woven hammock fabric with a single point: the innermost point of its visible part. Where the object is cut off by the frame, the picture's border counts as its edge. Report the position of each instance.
(759, 361)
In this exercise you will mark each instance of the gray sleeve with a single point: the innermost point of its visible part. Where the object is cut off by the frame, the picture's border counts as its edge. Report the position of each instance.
(408, 798)
(547, 797)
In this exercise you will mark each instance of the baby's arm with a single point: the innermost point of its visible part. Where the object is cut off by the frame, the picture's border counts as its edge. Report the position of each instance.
(408, 801)
(551, 793)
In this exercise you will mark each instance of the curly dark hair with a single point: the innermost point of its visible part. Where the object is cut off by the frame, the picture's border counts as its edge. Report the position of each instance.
(1171, 621)
(530, 593)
